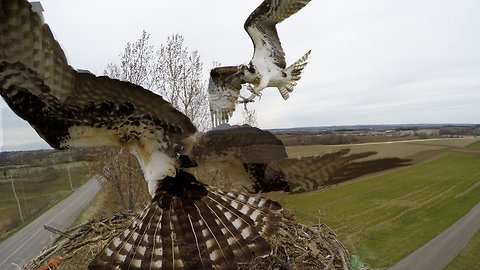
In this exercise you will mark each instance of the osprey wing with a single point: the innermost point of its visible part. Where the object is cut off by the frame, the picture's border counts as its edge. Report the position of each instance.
(72, 109)
(261, 26)
(238, 154)
(310, 173)
(187, 225)
(251, 145)
(223, 90)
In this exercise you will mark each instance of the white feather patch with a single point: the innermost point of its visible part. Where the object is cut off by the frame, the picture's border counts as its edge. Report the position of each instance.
(141, 250)
(215, 255)
(117, 241)
(157, 264)
(136, 263)
(135, 236)
(210, 243)
(255, 214)
(246, 233)
(237, 223)
(228, 215)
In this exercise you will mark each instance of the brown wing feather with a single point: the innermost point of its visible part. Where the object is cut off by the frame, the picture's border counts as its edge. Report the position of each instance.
(223, 90)
(251, 145)
(311, 173)
(39, 85)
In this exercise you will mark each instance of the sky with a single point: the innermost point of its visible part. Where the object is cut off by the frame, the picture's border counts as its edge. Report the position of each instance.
(372, 61)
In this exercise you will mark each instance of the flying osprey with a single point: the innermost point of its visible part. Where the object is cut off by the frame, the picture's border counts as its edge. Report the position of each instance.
(267, 68)
(187, 225)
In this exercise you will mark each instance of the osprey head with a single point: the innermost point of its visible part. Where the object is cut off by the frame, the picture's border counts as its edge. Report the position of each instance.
(248, 72)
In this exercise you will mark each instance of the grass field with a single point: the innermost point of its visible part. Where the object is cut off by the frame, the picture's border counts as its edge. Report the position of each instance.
(384, 218)
(37, 188)
(468, 258)
(474, 145)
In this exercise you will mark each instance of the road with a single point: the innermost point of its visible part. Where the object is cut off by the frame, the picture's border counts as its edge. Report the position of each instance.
(438, 253)
(29, 241)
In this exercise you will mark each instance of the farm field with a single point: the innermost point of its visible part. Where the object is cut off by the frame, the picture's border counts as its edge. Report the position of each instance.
(382, 218)
(38, 186)
(417, 150)
(474, 145)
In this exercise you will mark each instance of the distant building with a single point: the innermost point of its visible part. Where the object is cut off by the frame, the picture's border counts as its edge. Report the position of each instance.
(38, 8)
(84, 71)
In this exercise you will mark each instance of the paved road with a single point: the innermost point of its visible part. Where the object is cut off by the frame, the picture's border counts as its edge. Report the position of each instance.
(28, 242)
(437, 253)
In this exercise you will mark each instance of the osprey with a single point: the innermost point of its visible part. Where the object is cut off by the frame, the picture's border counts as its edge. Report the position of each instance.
(257, 161)
(267, 68)
(187, 225)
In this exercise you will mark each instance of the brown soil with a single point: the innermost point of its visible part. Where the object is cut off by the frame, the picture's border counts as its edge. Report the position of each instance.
(416, 150)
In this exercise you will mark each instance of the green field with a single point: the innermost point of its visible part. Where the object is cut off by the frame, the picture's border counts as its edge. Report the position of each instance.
(475, 145)
(382, 219)
(37, 188)
(468, 258)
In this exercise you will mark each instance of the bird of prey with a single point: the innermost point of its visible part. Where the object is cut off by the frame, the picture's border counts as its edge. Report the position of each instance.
(267, 68)
(244, 152)
(187, 225)
(224, 93)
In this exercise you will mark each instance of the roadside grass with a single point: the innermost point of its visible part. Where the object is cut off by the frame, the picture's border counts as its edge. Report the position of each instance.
(475, 145)
(384, 218)
(468, 257)
(37, 191)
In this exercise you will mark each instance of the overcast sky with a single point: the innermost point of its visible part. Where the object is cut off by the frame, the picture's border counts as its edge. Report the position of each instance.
(372, 61)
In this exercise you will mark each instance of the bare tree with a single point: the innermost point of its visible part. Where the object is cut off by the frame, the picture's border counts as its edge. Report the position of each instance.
(122, 180)
(136, 63)
(249, 117)
(173, 71)
(179, 79)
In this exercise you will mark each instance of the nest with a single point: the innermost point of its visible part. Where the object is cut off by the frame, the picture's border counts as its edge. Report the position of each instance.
(295, 246)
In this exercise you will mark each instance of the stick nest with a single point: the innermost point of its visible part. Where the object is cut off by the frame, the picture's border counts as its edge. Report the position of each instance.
(294, 246)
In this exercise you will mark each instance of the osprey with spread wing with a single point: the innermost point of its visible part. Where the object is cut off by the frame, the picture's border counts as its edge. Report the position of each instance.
(256, 160)
(187, 225)
(267, 68)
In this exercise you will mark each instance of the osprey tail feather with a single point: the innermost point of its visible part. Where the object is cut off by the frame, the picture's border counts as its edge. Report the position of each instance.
(293, 73)
(189, 225)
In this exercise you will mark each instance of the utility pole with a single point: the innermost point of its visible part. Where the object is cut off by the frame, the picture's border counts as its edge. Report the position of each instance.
(70, 177)
(16, 198)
